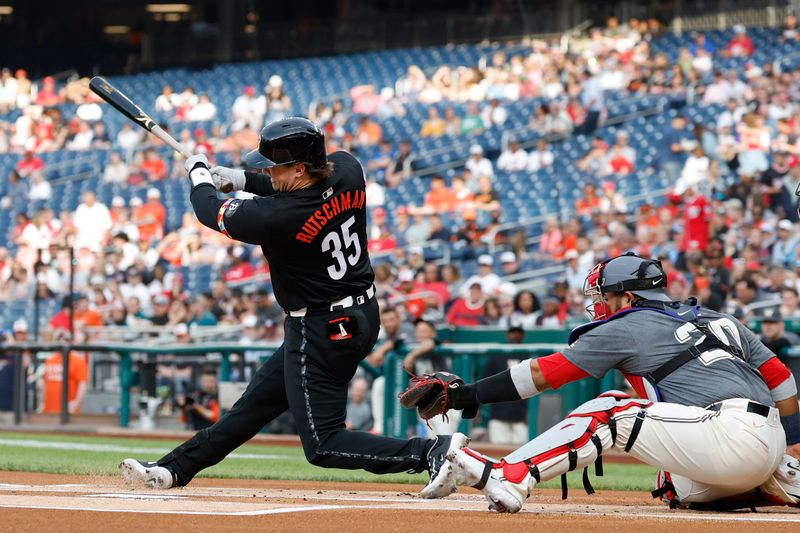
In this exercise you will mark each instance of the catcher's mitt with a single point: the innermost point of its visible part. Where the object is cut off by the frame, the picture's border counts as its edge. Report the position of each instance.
(430, 393)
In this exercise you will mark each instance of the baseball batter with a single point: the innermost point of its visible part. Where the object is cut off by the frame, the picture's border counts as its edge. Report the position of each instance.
(309, 217)
(715, 412)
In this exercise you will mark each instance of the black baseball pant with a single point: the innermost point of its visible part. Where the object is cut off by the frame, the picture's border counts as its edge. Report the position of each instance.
(308, 374)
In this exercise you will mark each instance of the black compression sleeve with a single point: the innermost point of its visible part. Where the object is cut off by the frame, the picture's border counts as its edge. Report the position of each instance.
(258, 184)
(497, 388)
(206, 204)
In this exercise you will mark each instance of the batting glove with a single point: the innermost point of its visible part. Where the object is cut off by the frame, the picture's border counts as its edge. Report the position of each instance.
(197, 168)
(228, 179)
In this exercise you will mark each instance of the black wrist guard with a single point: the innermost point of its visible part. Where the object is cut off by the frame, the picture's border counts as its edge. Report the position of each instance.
(465, 397)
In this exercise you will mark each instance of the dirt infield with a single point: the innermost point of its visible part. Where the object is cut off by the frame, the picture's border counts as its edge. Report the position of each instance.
(44, 502)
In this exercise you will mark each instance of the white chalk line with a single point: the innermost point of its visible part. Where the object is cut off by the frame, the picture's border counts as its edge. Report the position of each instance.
(384, 504)
(313, 508)
(213, 492)
(444, 505)
(134, 496)
(88, 447)
(256, 512)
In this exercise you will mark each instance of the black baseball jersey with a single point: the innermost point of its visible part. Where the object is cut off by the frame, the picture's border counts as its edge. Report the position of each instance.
(314, 239)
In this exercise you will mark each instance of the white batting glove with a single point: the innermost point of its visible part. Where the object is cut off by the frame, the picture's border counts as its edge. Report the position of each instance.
(228, 179)
(197, 168)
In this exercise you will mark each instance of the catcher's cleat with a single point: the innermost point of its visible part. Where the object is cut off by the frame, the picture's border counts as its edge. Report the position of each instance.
(148, 473)
(440, 466)
(506, 487)
(788, 477)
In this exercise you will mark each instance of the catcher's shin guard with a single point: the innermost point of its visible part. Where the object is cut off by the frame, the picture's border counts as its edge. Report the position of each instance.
(612, 419)
(505, 486)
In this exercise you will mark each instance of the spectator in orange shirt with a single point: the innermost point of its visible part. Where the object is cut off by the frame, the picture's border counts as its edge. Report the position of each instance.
(151, 216)
(440, 198)
(85, 317)
(407, 287)
(153, 166)
(52, 382)
(369, 133)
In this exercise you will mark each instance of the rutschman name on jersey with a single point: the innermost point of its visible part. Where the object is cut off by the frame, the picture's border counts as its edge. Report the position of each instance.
(333, 207)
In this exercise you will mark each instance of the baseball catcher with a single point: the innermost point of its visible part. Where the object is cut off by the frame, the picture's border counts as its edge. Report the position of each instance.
(715, 411)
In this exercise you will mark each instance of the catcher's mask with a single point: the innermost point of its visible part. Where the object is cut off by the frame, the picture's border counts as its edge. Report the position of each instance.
(625, 273)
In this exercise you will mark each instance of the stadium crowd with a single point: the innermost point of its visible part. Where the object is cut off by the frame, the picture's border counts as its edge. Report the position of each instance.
(726, 232)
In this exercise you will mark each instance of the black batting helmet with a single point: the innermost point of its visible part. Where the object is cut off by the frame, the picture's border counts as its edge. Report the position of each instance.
(286, 141)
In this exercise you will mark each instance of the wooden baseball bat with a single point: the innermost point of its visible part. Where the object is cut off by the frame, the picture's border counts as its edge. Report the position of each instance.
(124, 105)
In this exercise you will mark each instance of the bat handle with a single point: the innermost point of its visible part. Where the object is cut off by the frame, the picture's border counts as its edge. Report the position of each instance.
(170, 140)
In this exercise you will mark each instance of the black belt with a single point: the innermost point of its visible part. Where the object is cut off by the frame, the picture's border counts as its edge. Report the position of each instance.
(752, 407)
(344, 303)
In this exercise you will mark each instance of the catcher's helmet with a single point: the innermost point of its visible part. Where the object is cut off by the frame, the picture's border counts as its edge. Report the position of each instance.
(625, 273)
(286, 141)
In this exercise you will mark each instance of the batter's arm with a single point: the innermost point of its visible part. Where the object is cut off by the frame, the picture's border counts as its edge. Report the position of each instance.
(242, 220)
(258, 184)
(524, 380)
(790, 420)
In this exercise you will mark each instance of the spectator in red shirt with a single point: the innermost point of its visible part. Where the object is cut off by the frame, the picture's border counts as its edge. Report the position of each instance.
(202, 145)
(380, 233)
(153, 166)
(590, 201)
(618, 162)
(697, 213)
(240, 269)
(47, 94)
(60, 321)
(433, 283)
(29, 163)
(740, 44)
(468, 311)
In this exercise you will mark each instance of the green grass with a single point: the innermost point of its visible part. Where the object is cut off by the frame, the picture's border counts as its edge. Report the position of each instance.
(26, 453)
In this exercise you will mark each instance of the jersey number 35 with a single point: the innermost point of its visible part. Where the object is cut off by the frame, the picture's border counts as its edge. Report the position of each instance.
(339, 245)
